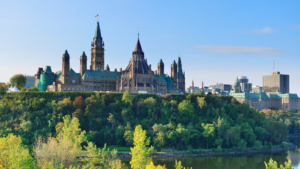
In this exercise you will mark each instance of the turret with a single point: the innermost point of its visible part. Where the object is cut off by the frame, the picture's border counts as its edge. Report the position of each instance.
(174, 71)
(107, 68)
(83, 64)
(65, 67)
(160, 67)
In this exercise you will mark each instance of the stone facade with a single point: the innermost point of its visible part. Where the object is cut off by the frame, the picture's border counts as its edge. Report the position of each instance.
(138, 75)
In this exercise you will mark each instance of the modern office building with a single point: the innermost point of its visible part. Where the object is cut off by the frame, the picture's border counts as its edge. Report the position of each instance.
(276, 81)
(257, 89)
(224, 87)
(245, 86)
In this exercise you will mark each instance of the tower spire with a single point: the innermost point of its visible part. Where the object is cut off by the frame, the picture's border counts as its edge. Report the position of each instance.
(97, 33)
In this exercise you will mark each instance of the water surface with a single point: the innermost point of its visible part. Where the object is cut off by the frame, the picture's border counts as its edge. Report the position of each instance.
(255, 161)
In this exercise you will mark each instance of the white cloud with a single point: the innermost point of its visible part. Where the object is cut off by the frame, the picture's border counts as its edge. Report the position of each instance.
(239, 49)
(264, 30)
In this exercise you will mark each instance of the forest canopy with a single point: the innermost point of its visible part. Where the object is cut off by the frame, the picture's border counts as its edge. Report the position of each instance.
(176, 121)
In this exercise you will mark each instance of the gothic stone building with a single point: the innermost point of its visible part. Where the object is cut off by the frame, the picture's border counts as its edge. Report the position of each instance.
(263, 100)
(137, 77)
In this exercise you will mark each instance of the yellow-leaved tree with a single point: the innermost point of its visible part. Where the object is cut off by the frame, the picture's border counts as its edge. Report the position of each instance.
(140, 153)
(13, 154)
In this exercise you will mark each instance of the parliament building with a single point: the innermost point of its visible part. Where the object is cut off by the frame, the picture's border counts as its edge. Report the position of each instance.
(138, 76)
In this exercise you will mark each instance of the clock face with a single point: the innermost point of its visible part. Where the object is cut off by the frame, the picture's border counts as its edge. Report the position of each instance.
(98, 44)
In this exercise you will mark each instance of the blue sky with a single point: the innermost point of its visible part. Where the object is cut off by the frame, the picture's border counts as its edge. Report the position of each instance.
(217, 40)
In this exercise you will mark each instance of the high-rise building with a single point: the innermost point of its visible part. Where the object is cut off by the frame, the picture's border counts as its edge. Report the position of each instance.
(276, 81)
(224, 87)
(245, 86)
(257, 89)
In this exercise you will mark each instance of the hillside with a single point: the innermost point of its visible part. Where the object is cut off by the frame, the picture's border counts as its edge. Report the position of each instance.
(171, 121)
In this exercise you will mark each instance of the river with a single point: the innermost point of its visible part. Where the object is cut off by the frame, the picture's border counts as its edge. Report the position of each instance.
(255, 161)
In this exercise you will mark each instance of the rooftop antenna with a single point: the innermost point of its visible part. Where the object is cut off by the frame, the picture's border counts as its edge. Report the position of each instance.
(274, 65)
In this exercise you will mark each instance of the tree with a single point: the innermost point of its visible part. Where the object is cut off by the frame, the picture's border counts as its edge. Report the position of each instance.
(3, 89)
(19, 80)
(112, 120)
(100, 158)
(208, 130)
(235, 135)
(26, 126)
(242, 145)
(185, 107)
(277, 131)
(127, 98)
(62, 150)
(220, 125)
(128, 135)
(273, 165)
(201, 101)
(140, 153)
(13, 154)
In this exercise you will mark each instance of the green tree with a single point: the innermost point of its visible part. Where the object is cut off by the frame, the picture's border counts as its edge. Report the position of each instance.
(26, 126)
(127, 98)
(278, 131)
(235, 135)
(208, 131)
(220, 125)
(3, 89)
(19, 80)
(140, 153)
(185, 107)
(273, 165)
(242, 145)
(128, 135)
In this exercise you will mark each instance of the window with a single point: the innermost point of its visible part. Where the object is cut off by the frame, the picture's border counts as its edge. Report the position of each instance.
(73, 81)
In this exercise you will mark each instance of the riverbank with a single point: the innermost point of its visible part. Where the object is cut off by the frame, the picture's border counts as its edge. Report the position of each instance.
(204, 154)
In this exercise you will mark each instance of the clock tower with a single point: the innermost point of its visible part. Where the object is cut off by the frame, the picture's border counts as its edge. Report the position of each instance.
(97, 51)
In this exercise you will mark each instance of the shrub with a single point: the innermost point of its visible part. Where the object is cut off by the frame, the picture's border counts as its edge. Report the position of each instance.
(257, 145)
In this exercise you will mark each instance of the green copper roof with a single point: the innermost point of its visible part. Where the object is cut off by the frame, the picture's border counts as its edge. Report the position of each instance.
(66, 53)
(174, 63)
(107, 68)
(99, 74)
(179, 61)
(237, 82)
(83, 55)
(72, 74)
(48, 69)
(160, 78)
(97, 33)
(161, 62)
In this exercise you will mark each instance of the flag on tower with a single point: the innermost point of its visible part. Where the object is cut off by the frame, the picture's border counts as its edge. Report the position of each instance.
(97, 15)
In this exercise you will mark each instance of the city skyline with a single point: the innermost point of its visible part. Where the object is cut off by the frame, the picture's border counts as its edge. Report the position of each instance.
(215, 44)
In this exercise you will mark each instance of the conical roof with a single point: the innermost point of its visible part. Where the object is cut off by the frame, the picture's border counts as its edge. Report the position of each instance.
(97, 33)
(237, 82)
(48, 69)
(179, 61)
(138, 47)
(174, 63)
(83, 55)
(66, 53)
(161, 62)
(107, 68)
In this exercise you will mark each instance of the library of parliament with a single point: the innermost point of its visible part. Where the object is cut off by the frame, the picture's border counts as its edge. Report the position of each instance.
(137, 77)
